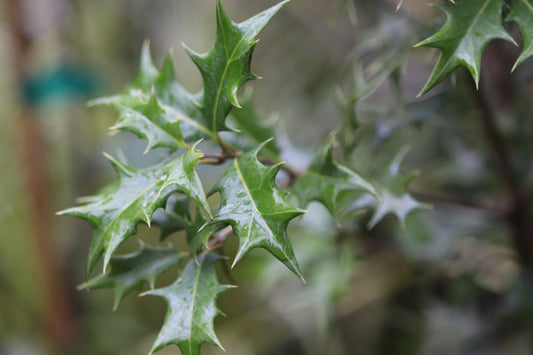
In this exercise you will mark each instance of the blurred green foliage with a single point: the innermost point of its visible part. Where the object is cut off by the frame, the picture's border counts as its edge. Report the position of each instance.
(450, 282)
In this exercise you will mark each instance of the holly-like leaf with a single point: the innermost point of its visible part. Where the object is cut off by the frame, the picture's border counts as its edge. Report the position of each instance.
(326, 181)
(256, 209)
(114, 214)
(394, 196)
(522, 14)
(147, 71)
(131, 271)
(181, 174)
(470, 25)
(149, 120)
(226, 67)
(191, 307)
(158, 108)
(181, 104)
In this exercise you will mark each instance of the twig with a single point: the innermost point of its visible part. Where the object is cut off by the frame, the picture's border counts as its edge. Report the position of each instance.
(517, 215)
(453, 200)
(497, 142)
(218, 239)
(222, 157)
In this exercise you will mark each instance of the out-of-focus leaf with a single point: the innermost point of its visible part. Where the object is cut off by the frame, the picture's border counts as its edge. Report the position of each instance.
(522, 14)
(326, 181)
(392, 190)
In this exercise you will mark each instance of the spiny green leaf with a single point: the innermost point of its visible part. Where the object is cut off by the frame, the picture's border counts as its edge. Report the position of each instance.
(325, 180)
(181, 173)
(255, 208)
(129, 272)
(147, 70)
(177, 108)
(226, 67)
(395, 198)
(181, 104)
(114, 214)
(522, 13)
(191, 307)
(470, 25)
(148, 120)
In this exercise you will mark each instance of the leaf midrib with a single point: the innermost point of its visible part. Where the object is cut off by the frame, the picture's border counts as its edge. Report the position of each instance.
(119, 213)
(474, 22)
(193, 298)
(247, 190)
(228, 62)
(181, 144)
(189, 120)
(529, 6)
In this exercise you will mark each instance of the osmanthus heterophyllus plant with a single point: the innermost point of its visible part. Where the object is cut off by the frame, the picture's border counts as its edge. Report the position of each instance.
(254, 205)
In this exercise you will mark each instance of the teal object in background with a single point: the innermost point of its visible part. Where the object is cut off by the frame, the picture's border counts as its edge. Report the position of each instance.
(65, 81)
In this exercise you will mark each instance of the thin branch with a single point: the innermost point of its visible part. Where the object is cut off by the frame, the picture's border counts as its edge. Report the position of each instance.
(497, 142)
(517, 216)
(222, 157)
(432, 197)
(218, 239)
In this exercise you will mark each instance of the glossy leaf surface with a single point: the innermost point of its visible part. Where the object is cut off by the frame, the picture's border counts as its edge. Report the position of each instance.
(181, 174)
(172, 117)
(256, 209)
(191, 307)
(114, 214)
(227, 65)
(470, 25)
(148, 120)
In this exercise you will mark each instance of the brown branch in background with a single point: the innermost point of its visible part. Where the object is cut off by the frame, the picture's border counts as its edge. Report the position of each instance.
(518, 219)
(57, 319)
(497, 142)
(432, 197)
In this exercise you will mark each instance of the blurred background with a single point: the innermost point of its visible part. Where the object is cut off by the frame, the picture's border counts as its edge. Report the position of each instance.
(449, 282)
